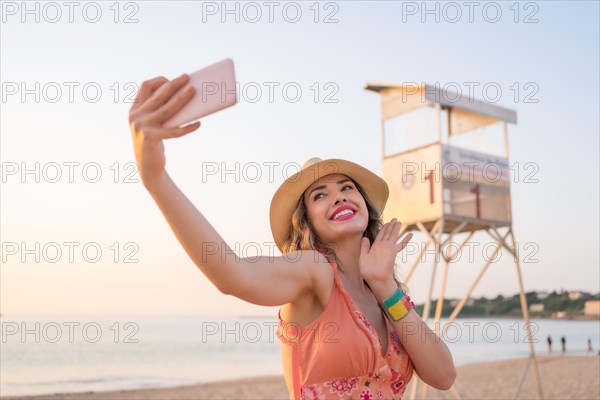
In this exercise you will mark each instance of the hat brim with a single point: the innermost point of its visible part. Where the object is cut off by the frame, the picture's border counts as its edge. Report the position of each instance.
(285, 200)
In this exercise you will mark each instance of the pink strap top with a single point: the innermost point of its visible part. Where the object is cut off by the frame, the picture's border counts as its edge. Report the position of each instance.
(338, 355)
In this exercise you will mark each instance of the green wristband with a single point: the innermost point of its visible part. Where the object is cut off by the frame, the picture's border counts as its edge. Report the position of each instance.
(395, 298)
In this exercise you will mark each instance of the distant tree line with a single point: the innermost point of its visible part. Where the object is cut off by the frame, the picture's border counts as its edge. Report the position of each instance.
(511, 306)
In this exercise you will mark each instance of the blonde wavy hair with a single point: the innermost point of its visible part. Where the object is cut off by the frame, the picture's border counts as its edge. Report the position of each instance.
(303, 237)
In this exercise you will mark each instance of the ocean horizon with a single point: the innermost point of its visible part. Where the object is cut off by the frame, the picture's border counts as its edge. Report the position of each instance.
(62, 354)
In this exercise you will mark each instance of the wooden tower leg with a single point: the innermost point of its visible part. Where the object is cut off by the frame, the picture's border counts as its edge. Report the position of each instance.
(438, 252)
(416, 380)
(527, 324)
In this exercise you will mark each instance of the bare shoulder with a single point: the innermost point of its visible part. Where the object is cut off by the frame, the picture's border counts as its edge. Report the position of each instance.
(304, 309)
(295, 277)
(319, 268)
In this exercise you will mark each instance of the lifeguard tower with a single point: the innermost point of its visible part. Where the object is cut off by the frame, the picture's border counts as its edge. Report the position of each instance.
(444, 190)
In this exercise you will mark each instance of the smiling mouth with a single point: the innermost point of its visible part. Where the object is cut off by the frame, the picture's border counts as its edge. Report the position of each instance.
(343, 215)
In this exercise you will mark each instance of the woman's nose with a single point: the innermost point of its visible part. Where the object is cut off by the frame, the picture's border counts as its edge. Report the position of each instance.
(340, 198)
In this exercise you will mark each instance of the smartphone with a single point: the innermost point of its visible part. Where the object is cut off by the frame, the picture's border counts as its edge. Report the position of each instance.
(215, 90)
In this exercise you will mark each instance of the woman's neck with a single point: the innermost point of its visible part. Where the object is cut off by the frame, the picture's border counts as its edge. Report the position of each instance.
(347, 253)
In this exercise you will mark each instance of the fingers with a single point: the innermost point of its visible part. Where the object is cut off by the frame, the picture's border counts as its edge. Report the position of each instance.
(391, 231)
(168, 133)
(146, 90)
(394, 229)
(404, 242)
(381, 233)
(163, 94)
(158, 100)
(387, 229)
(175, 103)
(178, 132)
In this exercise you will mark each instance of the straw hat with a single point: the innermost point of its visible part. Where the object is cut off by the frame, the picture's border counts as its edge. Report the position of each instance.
(287, 196)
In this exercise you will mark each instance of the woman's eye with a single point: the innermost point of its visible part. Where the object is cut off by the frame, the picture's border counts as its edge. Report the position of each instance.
(318, 196)
(347, 186)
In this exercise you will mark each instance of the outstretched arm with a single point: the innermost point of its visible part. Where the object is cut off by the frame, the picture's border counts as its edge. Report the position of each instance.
(267, 281)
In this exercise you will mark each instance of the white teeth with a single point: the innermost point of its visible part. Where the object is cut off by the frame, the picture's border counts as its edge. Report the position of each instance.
(342, 213)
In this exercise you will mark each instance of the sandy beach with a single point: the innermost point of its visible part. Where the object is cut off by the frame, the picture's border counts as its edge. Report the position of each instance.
(562, 377)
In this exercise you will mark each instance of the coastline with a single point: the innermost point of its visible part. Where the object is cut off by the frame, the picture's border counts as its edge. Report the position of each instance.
(531, 317)
(562, 377)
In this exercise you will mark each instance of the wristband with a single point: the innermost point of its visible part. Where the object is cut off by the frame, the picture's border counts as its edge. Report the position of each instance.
(398, 305)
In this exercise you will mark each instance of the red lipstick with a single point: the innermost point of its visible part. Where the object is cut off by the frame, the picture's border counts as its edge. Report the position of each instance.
(345, 216)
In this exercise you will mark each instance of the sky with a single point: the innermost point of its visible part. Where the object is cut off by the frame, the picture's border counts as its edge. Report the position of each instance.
(80, 234)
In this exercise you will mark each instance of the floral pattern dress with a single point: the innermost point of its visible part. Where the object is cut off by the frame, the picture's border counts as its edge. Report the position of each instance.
(350, 366)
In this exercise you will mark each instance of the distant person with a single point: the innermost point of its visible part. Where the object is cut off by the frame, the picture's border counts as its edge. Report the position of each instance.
(563, 341)
(590, 350)
(549, 344)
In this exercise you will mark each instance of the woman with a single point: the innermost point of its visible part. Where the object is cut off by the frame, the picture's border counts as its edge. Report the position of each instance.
(348, 330)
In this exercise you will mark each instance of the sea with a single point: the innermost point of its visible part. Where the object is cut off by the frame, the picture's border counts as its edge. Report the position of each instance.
(44, 355)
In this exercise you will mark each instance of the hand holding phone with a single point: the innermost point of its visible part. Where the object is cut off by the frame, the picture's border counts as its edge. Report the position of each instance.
(216, 90)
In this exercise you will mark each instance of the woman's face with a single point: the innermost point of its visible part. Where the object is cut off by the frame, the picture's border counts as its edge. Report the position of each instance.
(336, 208)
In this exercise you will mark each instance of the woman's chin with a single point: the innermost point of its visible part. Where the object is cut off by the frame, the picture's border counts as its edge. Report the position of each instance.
(345, 230)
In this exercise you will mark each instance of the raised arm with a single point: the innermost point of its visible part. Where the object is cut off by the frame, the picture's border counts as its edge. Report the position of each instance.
(430, 356)
(268, 281)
